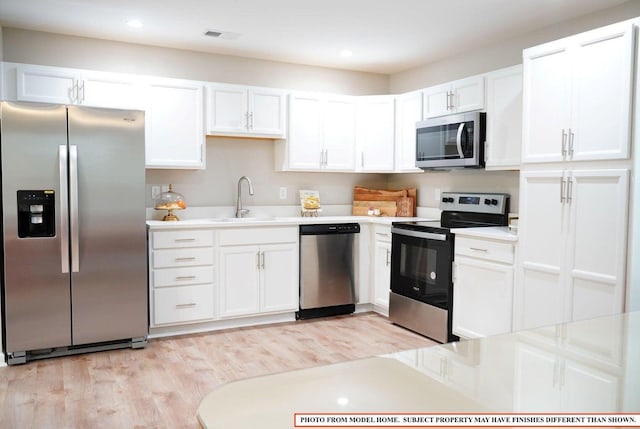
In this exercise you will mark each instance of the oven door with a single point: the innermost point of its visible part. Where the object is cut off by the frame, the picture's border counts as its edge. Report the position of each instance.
(421, 266)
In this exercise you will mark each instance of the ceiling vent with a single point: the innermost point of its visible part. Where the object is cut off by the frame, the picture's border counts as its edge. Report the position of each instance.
(222, 34)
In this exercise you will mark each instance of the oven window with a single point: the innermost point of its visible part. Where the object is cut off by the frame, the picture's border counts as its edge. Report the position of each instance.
(418, 263)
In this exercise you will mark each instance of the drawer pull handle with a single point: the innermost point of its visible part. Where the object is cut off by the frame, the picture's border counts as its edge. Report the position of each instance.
(185, 259)
(477, 249)
(191, 304)
(185, 278)
(185, 239)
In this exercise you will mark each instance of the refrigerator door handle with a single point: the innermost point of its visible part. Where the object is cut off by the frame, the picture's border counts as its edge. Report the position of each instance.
(64, 209)
(73, 208)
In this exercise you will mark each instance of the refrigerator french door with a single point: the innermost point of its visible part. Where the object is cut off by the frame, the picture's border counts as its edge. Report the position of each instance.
(74, 233)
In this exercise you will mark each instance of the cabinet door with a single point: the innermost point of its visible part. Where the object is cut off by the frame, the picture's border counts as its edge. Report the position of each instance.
(375, 125)
(111, 90)
(239, 280)
(305, 132)
(546, 102)
(468, 94)
(602, 93)
(267, 112)
(539, 295)
(339, 136)
(482, 298)
(382, 279)
(174, 125)
(504, 119)
(279, 277)
(46, 84)
(437, 100)
(597, 243)
(227, 110)
(408, 112)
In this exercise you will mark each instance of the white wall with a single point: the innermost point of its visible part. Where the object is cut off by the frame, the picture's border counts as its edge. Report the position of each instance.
(228, 159)
(430, 182)
(33, 47)
(505, 53)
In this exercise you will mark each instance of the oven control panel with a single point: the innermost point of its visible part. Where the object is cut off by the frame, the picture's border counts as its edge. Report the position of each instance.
(474, 202)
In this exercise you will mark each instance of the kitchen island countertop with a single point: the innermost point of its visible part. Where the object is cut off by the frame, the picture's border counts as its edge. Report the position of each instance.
(580, 367)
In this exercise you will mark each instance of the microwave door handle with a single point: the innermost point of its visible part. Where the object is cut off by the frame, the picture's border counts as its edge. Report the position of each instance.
(459, 140)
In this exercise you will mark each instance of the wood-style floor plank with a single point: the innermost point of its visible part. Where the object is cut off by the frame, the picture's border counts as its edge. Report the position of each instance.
(162, 385)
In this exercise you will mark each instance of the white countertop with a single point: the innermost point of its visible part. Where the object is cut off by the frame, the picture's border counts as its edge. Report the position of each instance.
(274, 221)
(492, 232)
(593, 364)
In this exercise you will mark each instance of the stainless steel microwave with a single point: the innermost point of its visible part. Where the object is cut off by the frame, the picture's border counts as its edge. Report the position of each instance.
(451, 141)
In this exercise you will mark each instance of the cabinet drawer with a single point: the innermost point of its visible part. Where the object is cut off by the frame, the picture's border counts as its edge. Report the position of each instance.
(166, 258)
(382, 233)
(182, 276)
(484, 249)
(182, 238)
(183, 304)
(230, 237)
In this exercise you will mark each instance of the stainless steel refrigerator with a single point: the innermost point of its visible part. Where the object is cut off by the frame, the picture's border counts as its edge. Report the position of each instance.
(74, 275)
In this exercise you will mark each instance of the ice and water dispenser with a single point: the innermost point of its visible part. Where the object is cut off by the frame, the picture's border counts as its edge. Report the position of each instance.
(36, 213)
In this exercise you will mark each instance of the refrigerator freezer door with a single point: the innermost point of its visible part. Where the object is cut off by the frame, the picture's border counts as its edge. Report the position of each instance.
(109, 274)
(37, 300)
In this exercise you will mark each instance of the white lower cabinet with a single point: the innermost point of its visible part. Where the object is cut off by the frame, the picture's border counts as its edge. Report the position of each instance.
(483, 287)
(181, 277)
(572, 245)
(258, 271)
(382, 268)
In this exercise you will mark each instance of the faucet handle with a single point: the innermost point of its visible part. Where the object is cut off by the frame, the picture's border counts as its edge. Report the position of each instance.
(242, 212)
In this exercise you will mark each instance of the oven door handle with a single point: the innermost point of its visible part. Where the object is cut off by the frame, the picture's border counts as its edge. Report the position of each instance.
(419, 234)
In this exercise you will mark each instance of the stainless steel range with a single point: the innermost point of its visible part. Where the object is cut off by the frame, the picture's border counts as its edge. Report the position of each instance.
(421, 297)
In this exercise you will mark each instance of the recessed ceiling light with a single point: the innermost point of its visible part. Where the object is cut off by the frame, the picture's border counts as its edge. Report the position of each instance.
(134, 23)
(345, 53)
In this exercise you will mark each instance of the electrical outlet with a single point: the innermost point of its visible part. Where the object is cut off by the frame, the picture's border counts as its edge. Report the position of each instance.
(437, 194)
(155, 191)
(283, 193)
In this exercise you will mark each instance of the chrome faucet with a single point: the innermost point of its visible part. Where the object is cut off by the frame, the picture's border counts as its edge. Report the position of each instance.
(240, 212)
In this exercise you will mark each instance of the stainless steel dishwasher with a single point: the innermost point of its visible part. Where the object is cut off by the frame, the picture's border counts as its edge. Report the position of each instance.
(327, 260)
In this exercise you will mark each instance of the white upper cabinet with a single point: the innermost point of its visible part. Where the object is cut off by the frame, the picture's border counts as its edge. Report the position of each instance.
(69, 86)
(408, 112)
(339, 133)
(322, 134)
(375, 136)
(175, 135)
(245, 111)
(504, 119)
(577, 96)
(462, 95)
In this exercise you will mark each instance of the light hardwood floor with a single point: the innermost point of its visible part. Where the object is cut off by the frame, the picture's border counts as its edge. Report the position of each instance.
(162, 385)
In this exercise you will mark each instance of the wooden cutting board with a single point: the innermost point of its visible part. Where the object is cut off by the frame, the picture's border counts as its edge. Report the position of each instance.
(404, 200)
(387, 208)
(364, 194)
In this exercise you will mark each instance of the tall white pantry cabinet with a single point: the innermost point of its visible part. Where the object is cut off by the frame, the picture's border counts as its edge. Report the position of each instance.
(574, 180)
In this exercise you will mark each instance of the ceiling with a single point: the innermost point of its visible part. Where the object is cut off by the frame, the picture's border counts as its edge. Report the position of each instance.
(385, 36)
